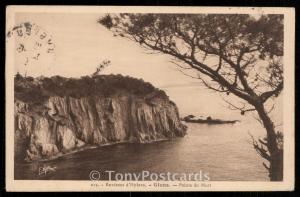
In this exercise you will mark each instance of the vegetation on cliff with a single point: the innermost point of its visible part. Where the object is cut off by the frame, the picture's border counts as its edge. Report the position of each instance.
(37, 90)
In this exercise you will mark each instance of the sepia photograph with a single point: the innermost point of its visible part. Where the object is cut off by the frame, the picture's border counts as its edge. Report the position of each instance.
(149, 99)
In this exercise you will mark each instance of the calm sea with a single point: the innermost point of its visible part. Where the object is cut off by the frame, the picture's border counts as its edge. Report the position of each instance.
(223, 151)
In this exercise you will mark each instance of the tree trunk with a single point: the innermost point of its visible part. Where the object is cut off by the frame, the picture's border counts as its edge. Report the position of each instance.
(276, 154)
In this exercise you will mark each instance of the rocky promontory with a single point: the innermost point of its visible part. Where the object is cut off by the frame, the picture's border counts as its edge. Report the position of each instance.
(55, 116)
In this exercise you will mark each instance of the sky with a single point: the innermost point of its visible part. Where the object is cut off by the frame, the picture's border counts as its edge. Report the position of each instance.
(81, 44)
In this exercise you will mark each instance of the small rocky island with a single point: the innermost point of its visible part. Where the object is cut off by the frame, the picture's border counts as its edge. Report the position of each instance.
(208, 120)
(55, 116)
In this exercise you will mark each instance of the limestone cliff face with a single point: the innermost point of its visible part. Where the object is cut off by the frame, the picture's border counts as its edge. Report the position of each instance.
(63, 124)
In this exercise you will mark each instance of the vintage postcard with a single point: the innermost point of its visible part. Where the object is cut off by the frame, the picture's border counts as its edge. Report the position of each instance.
(111, 98)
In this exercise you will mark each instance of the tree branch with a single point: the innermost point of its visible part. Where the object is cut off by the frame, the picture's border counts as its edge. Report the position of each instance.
(266, 95)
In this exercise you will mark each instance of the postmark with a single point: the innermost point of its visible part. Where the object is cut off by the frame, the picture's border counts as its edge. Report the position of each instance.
(32, 45)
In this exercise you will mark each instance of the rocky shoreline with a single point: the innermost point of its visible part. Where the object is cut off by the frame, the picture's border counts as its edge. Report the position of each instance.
(208, 120)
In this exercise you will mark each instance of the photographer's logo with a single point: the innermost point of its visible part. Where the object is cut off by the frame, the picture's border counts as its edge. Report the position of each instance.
(95, 175)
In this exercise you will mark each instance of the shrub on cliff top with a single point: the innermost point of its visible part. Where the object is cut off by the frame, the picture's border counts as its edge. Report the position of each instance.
(35, 90)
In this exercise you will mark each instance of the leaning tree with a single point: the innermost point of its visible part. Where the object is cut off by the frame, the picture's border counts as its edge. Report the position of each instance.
(233, 53)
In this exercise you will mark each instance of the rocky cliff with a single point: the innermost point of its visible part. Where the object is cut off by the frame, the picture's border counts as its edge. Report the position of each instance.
(54, 116)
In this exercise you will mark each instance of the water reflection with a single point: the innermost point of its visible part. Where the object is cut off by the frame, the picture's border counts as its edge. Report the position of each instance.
(223, 151)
